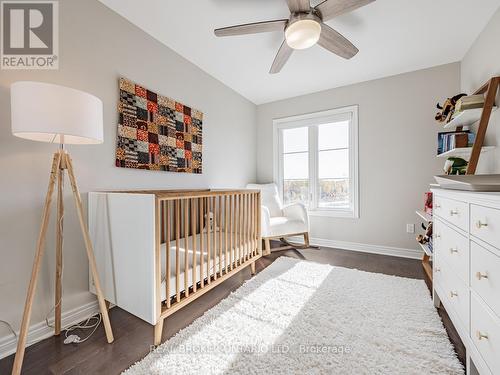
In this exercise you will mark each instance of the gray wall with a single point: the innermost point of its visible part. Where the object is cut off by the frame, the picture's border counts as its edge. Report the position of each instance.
(397, 148)
(482, 62)
(96, 47)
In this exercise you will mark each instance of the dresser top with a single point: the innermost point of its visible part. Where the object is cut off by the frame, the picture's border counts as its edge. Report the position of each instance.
(482, 198)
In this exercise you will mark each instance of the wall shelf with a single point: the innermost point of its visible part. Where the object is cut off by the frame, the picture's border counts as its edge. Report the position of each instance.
(424, 216)
(426, 249)
(466, 118)
(463, 152)
(427, 258)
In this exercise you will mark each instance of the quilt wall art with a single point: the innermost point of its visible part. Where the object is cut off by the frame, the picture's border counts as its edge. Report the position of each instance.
(156, 132)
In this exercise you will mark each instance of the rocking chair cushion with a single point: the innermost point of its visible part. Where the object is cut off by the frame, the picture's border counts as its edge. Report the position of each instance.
(270, 198)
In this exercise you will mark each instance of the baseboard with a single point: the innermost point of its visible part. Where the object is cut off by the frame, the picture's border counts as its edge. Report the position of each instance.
(40, 331)
(365, 248)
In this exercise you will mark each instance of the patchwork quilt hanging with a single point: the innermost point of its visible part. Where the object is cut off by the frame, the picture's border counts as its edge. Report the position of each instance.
(156, 132)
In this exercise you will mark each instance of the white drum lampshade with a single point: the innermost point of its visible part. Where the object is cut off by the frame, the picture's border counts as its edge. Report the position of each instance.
(56, 114)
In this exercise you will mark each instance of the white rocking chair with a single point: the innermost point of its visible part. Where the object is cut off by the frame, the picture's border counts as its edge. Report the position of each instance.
(278, 221)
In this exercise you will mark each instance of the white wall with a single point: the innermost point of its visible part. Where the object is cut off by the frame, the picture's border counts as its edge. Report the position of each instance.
(97, 46)
(482, 62)
(397, 148)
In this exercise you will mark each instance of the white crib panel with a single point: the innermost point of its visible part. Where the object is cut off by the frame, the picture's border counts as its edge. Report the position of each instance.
(125, 262)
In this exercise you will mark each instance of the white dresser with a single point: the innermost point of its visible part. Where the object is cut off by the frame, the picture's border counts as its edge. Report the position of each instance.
(466, 271)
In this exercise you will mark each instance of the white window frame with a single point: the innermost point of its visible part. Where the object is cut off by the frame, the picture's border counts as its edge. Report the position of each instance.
(349, 113)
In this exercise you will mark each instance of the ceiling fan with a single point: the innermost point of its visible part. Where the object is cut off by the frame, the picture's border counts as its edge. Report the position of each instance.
(304, 28)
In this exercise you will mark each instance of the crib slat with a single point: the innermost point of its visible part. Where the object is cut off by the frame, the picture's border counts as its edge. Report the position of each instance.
(238, 219)
(240, 234)
(249, 224)
(167, 252)
(177, 239)
(226, 223)
(244, 231)
(248, 220)
(231, 234)
(220, 235)
(207, 225)
(236, 229)
(202, 247)
(241, 228)
(214, 232)
(186, 247)
(193, 235)
(255, 213)
(252, 218)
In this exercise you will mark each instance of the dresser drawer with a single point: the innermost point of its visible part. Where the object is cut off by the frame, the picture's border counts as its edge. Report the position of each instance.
(485, 276)
(456, 293)
(485, 224)
(453, 211)
(436, 270)
(485, 334)
(452, 248)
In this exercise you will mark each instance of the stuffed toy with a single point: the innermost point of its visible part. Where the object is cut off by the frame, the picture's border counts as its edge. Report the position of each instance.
(455, 165)
(423, 239)
(209, 223)
(447, 109)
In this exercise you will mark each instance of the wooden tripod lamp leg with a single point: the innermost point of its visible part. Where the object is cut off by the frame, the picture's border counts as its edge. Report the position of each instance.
(40, 247)
(59, 254)
(89, 248)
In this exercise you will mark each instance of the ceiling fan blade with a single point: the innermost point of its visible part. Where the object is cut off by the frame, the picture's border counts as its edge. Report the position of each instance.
(334, 8)
(252, 28)
(297, 6)
(281, 58)
(336, 43)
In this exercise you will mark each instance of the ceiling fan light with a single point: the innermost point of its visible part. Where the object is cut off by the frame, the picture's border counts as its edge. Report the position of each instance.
(303, 34)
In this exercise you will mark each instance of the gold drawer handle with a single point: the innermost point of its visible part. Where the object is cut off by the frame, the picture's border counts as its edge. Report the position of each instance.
(454, 212)
(453, 250)
(481, 335)
(479, 224)
(437, 269)
(480, 275)
(453, 294)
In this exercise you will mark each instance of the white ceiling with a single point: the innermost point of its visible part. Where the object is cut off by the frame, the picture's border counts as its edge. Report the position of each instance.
(393, 36)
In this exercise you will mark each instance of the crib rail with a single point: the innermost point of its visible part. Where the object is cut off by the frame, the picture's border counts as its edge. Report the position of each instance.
(205, 236)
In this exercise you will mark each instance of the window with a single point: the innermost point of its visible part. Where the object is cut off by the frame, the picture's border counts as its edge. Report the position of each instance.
(316, 161)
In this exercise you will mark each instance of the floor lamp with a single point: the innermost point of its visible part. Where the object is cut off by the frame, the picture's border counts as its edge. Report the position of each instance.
(56, 114)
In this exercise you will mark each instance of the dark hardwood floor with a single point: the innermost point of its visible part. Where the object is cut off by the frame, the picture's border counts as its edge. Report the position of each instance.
(133, 336)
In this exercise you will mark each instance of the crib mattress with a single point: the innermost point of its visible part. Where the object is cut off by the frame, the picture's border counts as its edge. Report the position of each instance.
(199, 252)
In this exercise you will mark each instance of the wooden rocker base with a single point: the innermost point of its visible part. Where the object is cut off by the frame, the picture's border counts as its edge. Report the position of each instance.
(298, 246)
(288, 245)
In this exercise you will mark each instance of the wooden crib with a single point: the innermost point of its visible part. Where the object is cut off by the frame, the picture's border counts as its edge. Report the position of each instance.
(157, 251)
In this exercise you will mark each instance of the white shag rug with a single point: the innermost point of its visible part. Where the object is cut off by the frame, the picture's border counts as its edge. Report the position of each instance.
(299, 317)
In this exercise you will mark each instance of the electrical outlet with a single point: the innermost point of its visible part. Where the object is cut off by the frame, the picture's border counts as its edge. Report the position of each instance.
(410, 228)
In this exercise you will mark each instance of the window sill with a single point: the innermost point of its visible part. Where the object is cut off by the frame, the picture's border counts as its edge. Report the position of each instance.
(334, 213)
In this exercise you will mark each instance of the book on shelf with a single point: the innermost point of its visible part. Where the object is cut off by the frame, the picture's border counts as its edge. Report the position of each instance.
(468, 102)
(455, 139)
